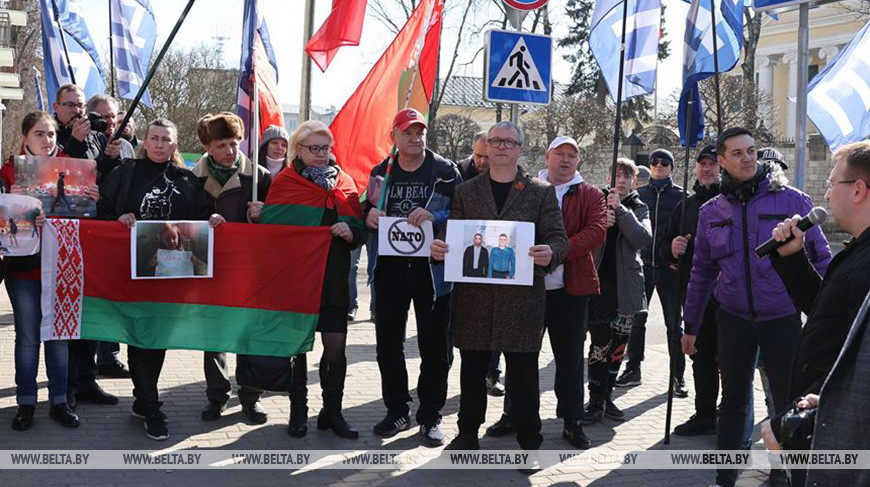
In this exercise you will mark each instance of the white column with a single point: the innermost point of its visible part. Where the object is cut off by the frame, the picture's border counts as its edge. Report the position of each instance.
(791, 60)
(827, 54)
(765, 74)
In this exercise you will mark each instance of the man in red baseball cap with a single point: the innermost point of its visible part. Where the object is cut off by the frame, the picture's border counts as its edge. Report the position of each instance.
(419, 188)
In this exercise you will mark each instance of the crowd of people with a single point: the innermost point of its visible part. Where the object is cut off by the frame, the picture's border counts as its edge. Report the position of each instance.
(598, 256)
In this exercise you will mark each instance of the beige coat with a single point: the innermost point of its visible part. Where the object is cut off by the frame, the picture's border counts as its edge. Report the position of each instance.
(497, 317)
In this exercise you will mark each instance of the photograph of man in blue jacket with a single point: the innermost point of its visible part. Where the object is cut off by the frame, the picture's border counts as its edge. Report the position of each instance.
(502, 260)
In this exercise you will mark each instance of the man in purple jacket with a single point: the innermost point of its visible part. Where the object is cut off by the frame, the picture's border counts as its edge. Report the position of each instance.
(755, 310)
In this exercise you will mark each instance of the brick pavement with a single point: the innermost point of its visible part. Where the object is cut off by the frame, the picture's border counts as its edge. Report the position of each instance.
(182, 389)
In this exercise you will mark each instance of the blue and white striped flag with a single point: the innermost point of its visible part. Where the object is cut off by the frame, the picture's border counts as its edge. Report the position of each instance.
(839, 97)
(642, 33)
(698, 62)
(133, 33)
(83, 54)
(40, 102)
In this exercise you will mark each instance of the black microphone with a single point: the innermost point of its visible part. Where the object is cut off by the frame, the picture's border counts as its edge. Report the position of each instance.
(816, 216)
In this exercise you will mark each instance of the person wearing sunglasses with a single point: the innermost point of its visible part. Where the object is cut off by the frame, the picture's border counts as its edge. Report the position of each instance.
(661, 196)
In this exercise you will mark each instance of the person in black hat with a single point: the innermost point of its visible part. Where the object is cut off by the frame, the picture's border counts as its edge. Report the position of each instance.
(677, 247)
(661, 195)
(769, 154)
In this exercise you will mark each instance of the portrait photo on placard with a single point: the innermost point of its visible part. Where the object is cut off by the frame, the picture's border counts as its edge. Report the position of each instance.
(61, 184)
(19, 234)
(172, 250)
(490, 252)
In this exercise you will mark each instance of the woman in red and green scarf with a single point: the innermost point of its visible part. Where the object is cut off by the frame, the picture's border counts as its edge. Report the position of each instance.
(315, 191)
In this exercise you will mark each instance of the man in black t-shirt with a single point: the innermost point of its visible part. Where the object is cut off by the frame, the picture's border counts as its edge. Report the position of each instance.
(419, 187)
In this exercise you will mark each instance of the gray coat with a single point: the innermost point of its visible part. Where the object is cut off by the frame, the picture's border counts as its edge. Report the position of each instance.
(842, 416)
(499, 317)
(635, 233)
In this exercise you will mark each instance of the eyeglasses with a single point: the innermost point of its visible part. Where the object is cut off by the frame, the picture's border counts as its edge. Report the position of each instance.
(663, 162)
(830, 184)
(318, 149)
(70, 104)
(503, 143)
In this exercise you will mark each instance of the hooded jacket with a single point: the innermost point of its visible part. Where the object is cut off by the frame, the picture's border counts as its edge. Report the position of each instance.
(725, 263)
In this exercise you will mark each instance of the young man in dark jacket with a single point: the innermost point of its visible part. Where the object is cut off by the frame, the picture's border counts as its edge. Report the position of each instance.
(755, 311)
(680, 247)
(832, 303)
(478, 161)
(420, 188)
(661, 195)
(622, 299)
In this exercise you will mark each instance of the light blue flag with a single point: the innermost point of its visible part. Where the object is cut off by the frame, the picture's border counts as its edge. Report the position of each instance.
(133, 33)
(642, 33)
(83, 56)
(698, 62)
(839, 97)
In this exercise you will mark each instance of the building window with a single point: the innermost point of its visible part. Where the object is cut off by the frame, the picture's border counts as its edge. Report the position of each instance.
(813, 71)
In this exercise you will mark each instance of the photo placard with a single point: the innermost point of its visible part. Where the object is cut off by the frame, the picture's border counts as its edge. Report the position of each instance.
(490, 252)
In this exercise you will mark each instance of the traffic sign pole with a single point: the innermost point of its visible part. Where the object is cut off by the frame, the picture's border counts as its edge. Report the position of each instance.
(515, 107)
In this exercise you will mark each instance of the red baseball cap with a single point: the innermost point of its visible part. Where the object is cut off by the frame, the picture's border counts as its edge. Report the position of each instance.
(408, 117)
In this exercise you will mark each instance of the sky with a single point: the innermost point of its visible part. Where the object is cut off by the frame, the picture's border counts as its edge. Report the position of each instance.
(213, 21)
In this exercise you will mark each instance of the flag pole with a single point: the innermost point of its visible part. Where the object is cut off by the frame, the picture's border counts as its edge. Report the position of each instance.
(690, 110)
(255, 133)
(715, 69)
(111, 52)
(619, 94)
(394, 154)
(157, 60)
(72, 75)
(305, 85)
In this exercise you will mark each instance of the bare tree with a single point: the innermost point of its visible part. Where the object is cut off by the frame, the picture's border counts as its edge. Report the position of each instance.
(26, 43)
(451, 136)
(751, 35)
(188, 84)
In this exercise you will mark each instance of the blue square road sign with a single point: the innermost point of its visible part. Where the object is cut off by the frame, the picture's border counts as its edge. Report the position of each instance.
(518, 67)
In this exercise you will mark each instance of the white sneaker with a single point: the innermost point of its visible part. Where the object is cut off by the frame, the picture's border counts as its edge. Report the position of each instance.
(432, 435)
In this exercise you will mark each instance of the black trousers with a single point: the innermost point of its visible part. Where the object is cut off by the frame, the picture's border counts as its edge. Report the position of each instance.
(82, 365)
(145, 366)
(705, 367)
(217, 381)
(664, 281)
(522, 390)
(739, 341)
(566, 318)
(606, 353)
(398, 283)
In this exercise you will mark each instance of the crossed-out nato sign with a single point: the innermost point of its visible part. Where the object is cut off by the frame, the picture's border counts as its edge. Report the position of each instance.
(518, 67)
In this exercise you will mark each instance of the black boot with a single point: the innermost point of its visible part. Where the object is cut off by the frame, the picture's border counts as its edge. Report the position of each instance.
(298, 426)
(332, 376)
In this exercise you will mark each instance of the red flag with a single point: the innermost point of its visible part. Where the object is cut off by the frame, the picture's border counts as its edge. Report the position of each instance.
(343, 27)
(403, 77)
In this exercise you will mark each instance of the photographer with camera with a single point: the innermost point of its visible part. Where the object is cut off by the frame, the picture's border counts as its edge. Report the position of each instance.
(107, 107)
(80, 134)
(832, 303)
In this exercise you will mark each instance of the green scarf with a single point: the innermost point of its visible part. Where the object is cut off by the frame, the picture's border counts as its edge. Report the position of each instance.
(223, 174)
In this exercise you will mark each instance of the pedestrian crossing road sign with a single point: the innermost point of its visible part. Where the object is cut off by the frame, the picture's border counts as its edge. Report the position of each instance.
(518, 67)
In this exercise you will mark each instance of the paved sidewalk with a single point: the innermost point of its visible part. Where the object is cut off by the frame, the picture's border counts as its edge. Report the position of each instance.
(182, 389)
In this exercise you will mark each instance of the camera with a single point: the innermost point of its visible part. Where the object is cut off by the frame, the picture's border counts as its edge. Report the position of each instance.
(97, 122)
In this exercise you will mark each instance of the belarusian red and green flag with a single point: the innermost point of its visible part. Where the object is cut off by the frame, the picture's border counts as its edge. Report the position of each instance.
(264, 297)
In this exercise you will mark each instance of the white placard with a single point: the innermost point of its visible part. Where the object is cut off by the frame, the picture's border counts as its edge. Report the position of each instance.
(19, 234)
(171, 250)
(490, 252)
(397, 237)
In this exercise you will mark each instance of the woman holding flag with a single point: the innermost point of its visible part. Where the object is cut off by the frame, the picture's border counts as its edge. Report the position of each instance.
(227, 177)
(154, 186)
(23, 283)
(315, 184)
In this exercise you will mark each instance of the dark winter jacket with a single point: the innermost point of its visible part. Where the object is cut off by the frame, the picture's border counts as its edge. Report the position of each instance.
(231, 200)
(661, 199)
(90, 148)
(693, 207)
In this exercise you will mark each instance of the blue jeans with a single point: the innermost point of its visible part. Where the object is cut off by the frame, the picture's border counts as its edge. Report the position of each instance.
(26, 310)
